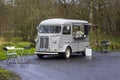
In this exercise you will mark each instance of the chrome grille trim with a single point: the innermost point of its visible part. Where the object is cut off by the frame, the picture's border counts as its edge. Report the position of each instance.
(44, 43)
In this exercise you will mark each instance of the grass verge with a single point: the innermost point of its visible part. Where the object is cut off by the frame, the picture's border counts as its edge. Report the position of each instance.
(17, 45)
(8, 75)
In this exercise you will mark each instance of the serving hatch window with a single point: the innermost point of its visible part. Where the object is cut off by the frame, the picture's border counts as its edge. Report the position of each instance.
(49, 29)
(79, 32)
(78, 29)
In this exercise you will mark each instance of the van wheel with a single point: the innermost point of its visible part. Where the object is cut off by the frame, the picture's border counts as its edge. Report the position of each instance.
(83, 53)
(40, 55)
(67, 53)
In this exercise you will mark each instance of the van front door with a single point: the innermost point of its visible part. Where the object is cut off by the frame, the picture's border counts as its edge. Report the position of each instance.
(66, 37)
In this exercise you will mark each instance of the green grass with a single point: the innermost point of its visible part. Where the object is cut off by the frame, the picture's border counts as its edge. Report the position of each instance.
(8, 75)
(25, 52)
(21, 44)
(2, 55)
(17, 44)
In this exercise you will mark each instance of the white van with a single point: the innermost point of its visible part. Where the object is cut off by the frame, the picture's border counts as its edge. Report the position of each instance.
(62, 36)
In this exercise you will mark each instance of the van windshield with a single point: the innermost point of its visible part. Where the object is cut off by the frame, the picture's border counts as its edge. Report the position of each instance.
(49, 29)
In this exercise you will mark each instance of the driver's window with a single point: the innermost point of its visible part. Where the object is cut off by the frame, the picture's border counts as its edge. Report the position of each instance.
(78, 31)
(66, 30)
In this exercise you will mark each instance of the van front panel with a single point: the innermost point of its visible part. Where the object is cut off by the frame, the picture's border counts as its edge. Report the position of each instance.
(44, 43)
(48, 43)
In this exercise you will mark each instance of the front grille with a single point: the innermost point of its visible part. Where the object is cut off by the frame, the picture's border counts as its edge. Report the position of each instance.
(44, 43)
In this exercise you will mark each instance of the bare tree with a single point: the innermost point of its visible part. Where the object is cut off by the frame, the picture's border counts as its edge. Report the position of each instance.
(21, 20)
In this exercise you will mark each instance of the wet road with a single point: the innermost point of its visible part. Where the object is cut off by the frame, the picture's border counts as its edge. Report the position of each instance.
(105, 66)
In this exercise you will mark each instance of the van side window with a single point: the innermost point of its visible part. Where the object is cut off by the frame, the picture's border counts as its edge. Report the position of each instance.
(78, 31)
(66, 30)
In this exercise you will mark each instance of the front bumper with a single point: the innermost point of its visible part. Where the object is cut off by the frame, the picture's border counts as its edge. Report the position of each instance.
(45, 52)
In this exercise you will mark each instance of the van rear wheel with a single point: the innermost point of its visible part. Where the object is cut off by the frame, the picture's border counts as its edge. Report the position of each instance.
(83, 53)
(40, 55)
(67, 53)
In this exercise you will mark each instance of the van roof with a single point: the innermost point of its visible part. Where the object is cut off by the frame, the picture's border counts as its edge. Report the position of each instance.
(59, 21)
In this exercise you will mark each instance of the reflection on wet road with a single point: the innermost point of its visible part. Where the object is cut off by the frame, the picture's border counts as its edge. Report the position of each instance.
(102, 66)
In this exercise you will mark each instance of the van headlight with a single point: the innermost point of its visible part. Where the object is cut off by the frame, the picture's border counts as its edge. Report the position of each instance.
(36, 40)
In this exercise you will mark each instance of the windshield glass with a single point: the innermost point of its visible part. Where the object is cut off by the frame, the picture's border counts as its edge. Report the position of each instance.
(49, 29)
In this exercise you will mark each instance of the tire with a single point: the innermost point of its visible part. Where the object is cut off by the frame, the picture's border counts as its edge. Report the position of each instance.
(83, 53)
(40, 55)
(67, 53)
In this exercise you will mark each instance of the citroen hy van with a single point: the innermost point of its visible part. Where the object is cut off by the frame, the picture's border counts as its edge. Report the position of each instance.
(62, 36)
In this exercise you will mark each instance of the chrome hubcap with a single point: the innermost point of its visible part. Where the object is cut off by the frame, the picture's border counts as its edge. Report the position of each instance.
(67, 53)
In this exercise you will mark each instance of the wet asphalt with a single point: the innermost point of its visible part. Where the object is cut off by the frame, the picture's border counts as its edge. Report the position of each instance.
(101, 66)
